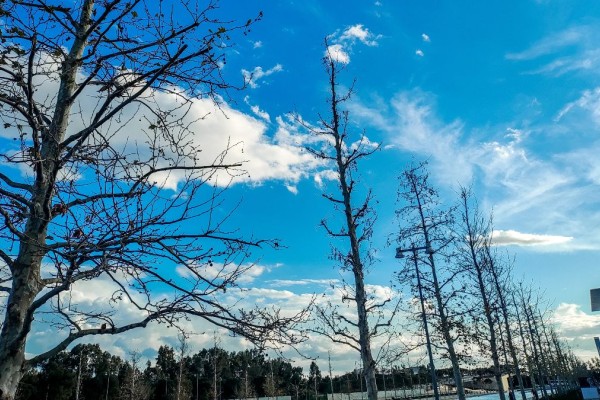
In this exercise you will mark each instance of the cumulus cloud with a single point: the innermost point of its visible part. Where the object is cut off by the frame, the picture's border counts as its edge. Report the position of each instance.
(343, 42)
(95, 295)
(578, 327)
(337, 53)
(222, 133)
(419, 53)
(425, 37)
(258, 73)
(360, 33)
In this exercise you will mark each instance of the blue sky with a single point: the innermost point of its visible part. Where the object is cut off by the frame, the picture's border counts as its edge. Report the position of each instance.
(500, 95)
(503, 95)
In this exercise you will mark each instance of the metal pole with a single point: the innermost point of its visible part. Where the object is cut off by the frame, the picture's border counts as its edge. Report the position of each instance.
(436, 394)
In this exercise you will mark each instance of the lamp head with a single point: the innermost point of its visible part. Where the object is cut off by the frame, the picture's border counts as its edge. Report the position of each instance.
(399, 253)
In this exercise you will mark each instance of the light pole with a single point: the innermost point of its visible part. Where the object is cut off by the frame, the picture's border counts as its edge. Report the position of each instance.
(400, 254)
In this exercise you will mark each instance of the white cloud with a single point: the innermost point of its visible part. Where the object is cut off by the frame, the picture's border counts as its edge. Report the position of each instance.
(578, 327)
(570, 50)
(589, 101)
(337, 53)
(257, 110)
(253, 77)
(419, 53)
(511, 237)
(425, 37)
(302, 282)
(359, 32)
(258, 44)
(321, 177)
(527, 191)
(205, 126)
(217, 272)
(291, 188)
(343, 43)
(551, 44)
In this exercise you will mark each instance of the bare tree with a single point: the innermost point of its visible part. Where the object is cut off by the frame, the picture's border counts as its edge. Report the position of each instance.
(184, 348)
(474, 238)
(500, 275)
(371, 319)
(104, 175)
(425, 224)
(529, 302)
(132, 386)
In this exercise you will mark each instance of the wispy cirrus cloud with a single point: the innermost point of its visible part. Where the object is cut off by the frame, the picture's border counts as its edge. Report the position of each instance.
(570, 50)
(540, 199)
(257, 110)
(302, 282)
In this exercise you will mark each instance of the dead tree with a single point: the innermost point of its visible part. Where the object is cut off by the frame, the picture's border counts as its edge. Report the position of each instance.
(500, 276)
(335, 149)
(474, 235)
(424, 224)
(103, 178)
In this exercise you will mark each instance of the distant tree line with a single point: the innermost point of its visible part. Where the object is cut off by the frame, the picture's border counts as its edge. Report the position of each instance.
(90, 373)
(87, 372)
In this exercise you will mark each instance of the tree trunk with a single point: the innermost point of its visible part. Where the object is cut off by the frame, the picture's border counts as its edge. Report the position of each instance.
(369, 367)
(475, 234)
(460, 389)
(26, 281)
(355, 254)
(501, 293)
(17, 323)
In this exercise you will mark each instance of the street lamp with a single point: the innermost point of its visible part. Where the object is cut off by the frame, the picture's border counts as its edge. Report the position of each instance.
(428, 250)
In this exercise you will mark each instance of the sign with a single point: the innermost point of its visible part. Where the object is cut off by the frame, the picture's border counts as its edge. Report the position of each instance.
(595, 298)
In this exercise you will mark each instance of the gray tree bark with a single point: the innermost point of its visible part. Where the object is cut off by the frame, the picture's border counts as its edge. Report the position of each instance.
(27, 282)
(338, 152)
(501, 292)
(369, 367)
(476, 234)
(416, 186)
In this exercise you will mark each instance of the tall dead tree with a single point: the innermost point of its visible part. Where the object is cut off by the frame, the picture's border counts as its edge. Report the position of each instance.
(474, 234)
(102, 177)
(424, 224)
(356, 218)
